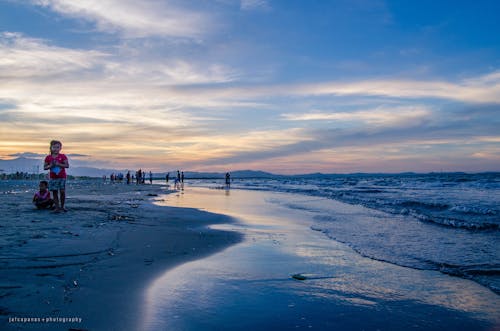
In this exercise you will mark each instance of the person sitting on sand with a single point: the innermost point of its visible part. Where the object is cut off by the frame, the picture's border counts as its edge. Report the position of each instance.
(42, 199)
(57, 163)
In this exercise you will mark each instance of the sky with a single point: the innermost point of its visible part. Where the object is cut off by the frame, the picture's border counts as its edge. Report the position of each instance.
(289, 87)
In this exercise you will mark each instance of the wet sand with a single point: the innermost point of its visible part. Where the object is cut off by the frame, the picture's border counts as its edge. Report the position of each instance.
(249, 286)
(93, 263)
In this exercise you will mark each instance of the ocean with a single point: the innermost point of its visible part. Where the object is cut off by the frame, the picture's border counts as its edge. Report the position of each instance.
(449, 222)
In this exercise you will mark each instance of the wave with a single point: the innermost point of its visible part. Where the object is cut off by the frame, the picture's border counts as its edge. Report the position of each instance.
(367, 190)
(458, 223)
(443, 222)
(423, 205)
(485, 274)
(443, 214)
(474, 210)
(439, 213)
(449, 221)
(454, 200)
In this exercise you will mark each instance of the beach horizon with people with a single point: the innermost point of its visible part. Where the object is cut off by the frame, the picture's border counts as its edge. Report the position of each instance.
(24, 167)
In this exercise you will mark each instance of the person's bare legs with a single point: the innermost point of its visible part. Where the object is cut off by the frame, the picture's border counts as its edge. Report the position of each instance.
(56, 201)
(63, 199)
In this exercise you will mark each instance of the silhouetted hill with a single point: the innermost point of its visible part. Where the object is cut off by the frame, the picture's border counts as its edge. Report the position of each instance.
(210, 175)
(21, 164)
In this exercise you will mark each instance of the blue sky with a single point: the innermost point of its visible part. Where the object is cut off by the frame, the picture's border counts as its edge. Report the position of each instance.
(283, 86)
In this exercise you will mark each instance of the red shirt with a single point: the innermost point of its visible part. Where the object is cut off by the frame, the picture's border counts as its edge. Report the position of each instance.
(56, 172)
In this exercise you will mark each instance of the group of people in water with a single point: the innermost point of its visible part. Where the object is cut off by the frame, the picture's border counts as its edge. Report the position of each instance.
(57, 163)
(139, 177)
(178, 180)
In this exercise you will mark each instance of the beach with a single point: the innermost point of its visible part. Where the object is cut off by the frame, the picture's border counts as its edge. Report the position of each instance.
(143, 257)
(87, 268)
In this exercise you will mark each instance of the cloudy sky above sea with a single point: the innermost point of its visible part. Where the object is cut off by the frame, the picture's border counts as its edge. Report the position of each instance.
(283, 86)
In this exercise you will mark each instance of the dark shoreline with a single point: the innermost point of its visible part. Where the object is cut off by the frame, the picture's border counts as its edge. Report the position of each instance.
(95, 261)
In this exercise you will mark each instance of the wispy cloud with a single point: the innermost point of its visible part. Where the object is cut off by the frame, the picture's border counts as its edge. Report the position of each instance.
(484, 89)
(481, 89)
(38, 78)
(134, 18)
(255, 5)
(22, 57)
(488, 154)
(380, 116)
(172, 72)
(489, 139)
(392, 149)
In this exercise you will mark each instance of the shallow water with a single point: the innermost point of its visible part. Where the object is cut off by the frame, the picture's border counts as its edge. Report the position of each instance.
(455, 200)
(444, 222)
(249, 286)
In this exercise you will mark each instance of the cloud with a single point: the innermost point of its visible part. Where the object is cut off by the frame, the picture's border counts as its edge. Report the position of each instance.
(134, 19)
(96, 87)
(139, 105)
(28, 58)
(487, 154)
(78, 155)
(173, 71)
(24, 57)
(254, 5)
(489, 139)
(482, 89)
(380, 116)
(408, 142)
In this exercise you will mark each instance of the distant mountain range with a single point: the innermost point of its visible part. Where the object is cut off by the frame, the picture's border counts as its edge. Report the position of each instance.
(23, 164)
(30, 165)
(234, 174)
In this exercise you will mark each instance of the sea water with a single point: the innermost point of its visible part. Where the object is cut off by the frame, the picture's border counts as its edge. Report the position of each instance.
(448, 222)
(250, 285)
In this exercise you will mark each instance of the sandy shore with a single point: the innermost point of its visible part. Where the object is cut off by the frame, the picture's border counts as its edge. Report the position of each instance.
(132, 258)
(89, 267)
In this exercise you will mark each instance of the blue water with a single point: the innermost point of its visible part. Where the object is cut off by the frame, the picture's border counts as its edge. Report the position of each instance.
(249, 286)
(444, 222)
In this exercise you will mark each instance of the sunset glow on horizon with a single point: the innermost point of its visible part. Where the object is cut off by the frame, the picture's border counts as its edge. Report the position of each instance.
(286, 87)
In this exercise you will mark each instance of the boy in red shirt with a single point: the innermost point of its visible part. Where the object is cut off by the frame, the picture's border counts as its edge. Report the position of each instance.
(57, 163)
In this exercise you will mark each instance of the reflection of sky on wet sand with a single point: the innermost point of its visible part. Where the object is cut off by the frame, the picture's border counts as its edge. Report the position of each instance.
(252, 275)
(357, 275)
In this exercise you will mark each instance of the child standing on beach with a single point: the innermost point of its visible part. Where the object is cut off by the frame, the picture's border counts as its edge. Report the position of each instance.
(57, 163)
(42, 198)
